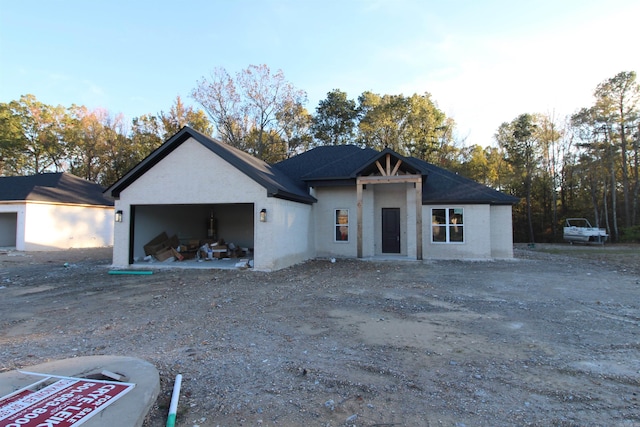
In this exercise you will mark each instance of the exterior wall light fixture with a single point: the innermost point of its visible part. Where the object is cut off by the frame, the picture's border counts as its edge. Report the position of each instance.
(118, 216)
(263, 215)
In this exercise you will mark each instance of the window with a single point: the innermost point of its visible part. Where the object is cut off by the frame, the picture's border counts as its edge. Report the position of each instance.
(342, 225)
(447, 225)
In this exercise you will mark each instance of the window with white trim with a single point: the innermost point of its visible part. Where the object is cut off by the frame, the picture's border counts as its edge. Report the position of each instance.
(341, 224)
(447, 225)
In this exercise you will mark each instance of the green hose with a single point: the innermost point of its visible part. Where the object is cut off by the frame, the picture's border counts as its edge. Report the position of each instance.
(138, 272)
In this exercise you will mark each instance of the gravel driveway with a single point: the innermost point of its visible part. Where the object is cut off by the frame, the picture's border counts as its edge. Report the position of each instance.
(550, 338)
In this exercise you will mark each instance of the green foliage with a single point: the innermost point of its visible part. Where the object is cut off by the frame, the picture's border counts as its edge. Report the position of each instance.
(630, 234)
(32, 136)
(179, 116)
(411, 126)
(335, 119)
(11, 140)
(92, 144)
(295, 132)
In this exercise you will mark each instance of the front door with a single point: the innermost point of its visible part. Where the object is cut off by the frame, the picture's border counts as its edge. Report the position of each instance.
(391, 230)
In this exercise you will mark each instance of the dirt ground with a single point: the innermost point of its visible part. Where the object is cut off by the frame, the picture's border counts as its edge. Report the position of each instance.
(550, 338)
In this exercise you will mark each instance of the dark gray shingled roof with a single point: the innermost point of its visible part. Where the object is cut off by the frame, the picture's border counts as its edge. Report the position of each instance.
(445, 187)
(327, 162)
(326, 165)
(339, 165)
(272, 179)
(59, 187)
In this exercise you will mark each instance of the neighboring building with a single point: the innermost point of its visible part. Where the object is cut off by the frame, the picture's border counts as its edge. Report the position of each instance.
(332, 201)
(53, 211)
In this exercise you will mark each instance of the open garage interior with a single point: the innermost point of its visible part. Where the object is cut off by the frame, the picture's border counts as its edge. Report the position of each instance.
(193, 226)
(8, 229)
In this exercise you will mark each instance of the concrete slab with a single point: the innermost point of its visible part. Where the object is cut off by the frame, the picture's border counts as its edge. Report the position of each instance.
(215, 264)
(130, 410)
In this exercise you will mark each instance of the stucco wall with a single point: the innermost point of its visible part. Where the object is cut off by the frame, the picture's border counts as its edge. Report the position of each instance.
(477, 234)
(501, 232)
(192, 174)
(286, 238)
(330, 199)
(55, 227)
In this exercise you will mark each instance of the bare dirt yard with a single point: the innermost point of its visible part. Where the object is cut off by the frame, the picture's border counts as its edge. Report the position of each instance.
(550, 338)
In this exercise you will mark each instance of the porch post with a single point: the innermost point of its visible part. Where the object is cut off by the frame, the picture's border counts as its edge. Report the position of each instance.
(359, 218)
(419, 218)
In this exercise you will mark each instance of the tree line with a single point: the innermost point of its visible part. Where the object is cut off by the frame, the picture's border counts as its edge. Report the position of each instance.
(583, 165)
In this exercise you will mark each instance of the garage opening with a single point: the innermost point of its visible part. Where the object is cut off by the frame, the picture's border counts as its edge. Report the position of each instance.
(8, 229)
(192, 226)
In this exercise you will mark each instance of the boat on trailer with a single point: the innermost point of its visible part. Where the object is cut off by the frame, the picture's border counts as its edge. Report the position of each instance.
(579, 230)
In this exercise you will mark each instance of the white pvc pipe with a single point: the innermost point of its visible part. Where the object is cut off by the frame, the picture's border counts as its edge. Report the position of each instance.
(173, 407)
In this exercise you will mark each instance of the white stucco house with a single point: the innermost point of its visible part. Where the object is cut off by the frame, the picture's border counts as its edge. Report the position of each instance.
(54, 211)
(331, 201)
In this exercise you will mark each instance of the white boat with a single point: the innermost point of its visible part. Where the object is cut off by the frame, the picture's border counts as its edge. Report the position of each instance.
(579, 230)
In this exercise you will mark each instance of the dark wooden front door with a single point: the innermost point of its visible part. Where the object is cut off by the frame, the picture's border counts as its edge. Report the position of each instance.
(391, 230)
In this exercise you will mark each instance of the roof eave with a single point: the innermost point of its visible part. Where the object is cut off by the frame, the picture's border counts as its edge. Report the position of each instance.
(468, 202)
(281, 194)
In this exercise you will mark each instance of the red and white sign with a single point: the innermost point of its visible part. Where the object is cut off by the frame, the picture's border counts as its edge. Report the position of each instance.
(66, 402)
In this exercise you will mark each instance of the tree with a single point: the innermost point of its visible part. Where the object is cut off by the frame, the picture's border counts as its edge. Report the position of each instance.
(429, 132)
(87, 136)
(179, 116)
(519, 140)
(251, 110)
(549, 136)
(593, 129)
(409, 125)
(296, 130)
(619, 97)
(335, 120)
(101, 150)
(383, 120)
(222, 102)
(485, 165)
(474, 164)
(566, 158)
(147, 134)
(32, 136)
(499, 168)
(120, 153)
(11, 141)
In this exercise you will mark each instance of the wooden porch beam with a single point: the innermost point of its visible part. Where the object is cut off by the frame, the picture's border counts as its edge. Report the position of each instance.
(389, 179)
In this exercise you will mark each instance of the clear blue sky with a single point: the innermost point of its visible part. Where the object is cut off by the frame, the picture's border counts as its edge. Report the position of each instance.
(484, 61)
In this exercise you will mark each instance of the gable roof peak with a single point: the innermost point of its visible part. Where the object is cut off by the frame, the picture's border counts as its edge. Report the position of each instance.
(275, 182)
(387, 163)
